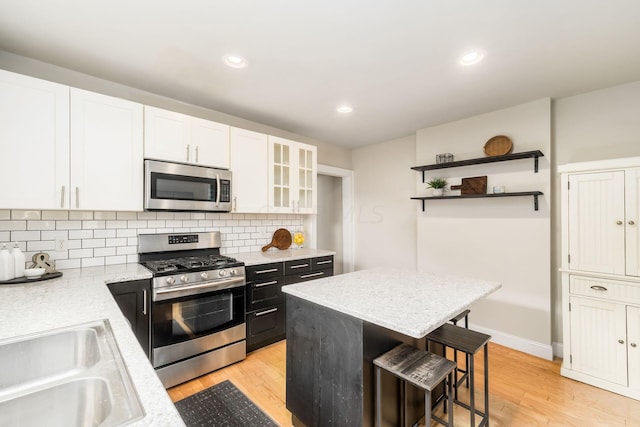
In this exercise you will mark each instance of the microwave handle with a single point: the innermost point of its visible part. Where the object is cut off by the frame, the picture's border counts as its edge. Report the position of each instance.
(217, 189)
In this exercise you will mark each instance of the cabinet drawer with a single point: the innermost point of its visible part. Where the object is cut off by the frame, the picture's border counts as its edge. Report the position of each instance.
(264, 293)
(322, 263)
(265, 327)
(298, 266)
(310, 275)
(264, 271)
(605, 289)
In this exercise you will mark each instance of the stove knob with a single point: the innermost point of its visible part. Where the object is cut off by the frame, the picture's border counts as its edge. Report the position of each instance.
(223, 273)
(233, 272)
(204, 275)
(171, 280)
(184, 278)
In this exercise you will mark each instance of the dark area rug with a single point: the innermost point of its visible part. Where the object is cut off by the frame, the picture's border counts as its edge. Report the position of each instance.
(222, 405)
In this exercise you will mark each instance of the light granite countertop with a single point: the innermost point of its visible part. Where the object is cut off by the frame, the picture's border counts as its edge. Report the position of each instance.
(80, 296)
(276, 255)
(410, 303)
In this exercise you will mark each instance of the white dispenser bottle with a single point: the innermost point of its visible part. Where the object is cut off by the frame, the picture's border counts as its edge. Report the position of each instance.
(7, 265)
(18, 260)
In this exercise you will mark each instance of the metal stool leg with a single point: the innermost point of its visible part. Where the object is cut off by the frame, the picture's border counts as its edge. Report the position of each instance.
(472, 397)
(427, 408)
(452, 377)
(378, 381)
(486, 383)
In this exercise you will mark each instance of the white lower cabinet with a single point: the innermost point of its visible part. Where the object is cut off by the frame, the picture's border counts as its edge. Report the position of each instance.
(602, 333)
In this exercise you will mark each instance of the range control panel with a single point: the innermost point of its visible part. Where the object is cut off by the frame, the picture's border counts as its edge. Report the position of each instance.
(176, 239)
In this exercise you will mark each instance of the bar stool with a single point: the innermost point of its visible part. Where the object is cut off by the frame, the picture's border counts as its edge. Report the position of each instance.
(465, 374)
(419, 368)
(470, 342)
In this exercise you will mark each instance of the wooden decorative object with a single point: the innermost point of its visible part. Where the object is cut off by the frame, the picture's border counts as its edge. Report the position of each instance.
(475, 185)
(281, 240)
(498, 146)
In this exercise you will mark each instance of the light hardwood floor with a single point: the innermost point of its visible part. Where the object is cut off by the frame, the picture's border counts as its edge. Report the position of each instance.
(524, 391)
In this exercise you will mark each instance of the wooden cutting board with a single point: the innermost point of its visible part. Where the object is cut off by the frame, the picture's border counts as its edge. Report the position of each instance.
(475, 185)
(281, 240)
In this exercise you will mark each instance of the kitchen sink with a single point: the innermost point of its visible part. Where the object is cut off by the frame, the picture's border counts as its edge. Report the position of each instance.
(73, 376)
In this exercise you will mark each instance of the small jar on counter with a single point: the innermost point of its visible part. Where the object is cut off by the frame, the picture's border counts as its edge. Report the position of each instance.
(7, 264)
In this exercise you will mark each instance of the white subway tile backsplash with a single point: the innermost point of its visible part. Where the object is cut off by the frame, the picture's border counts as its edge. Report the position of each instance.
(55, 215)
(105, 238)
(81, 215)
(68, 225)
(81, 234)
(93, 243)
(23, 214)
(92, 262)
(104, 215)
(93, 225)
(126, 215)
(20, 236)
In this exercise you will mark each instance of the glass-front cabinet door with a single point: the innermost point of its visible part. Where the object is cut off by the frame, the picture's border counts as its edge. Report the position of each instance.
(292, 176)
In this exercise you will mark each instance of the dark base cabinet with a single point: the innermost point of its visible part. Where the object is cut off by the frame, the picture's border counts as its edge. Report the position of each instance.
(266, 308)
(134, 300)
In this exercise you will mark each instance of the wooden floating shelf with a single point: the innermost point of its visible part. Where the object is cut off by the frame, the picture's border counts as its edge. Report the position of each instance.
(481, 160)
(533, 194)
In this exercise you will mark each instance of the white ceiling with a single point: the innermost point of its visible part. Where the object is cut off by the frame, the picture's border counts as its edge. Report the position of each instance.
(394, 61)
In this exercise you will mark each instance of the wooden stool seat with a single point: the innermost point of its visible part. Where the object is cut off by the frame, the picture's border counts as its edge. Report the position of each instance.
(419, 368)
(470, 342)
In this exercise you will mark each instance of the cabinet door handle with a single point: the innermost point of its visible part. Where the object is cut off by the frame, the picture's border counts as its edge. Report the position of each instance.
(631, 223)
(262, 313)
(621, 341)
(633, 345)
(306, 276)
(197, 146)
(259, 285)
(77, 197)
(293, 267)
(599, 288)
(188, 149)
(62, 197)
(271, 270)
(619, 222)
(144, 302)
(324, 262)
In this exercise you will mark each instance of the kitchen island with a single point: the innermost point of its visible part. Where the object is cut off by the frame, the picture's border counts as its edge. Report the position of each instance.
(337, 325)
(80, 296)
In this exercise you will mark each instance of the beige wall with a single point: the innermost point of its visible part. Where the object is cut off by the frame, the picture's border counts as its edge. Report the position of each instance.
(328, 154)
(385, 217)
(504, 239)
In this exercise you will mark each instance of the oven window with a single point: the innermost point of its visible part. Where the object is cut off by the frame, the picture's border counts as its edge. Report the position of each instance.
(196, 316)
(186, 318)
(179, 187)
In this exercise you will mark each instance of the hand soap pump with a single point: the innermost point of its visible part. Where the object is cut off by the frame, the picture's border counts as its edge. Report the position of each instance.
(7, 265)
(18, 259)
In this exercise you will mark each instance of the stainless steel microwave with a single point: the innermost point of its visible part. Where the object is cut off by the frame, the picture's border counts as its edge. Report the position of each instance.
(172, 186)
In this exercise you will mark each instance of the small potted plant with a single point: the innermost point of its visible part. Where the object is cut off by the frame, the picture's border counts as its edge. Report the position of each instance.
(438, 185)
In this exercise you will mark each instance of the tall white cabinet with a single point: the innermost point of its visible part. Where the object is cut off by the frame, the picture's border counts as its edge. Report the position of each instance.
(601, 274)
(249, 165)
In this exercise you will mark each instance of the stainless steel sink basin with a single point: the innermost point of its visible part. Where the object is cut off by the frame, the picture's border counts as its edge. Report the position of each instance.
(67, 377)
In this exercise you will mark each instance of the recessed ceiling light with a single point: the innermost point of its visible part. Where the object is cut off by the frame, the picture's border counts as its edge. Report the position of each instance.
(235, 61)
(344, 109)
(472, 57)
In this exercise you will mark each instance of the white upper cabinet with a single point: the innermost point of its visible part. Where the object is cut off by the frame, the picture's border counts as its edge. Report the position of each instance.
(249, 166)
(181, 138)
(292, 176)
(106, 152)
(602, 220)
(34, 143)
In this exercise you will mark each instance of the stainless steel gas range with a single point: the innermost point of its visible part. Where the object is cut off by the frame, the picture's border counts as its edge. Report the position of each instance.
(198, 305)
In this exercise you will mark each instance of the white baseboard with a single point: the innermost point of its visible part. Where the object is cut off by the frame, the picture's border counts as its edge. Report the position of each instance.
(534, 348)
(558, 349)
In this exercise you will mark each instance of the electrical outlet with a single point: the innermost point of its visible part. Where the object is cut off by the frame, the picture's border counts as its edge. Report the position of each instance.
(61, 245)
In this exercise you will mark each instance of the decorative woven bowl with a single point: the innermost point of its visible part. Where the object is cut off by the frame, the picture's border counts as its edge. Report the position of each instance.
(498, 146)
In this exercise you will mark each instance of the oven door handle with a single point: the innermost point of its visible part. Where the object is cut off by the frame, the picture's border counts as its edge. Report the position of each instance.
(175, 292)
